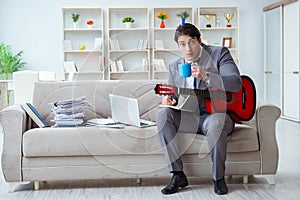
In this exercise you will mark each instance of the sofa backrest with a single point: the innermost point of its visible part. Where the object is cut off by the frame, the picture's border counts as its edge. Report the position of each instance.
(97, 94)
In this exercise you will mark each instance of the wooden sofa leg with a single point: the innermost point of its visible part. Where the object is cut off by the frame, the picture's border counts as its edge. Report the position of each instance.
(245, 179)
(139, 180)
(36, 185)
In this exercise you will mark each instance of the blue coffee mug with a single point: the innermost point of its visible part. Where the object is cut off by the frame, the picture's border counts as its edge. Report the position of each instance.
(184, 70)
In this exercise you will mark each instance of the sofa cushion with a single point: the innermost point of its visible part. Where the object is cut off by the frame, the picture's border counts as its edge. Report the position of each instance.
(87, 141)
(97, 94)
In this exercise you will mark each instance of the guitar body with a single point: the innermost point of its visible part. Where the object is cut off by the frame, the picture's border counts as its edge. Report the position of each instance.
(239, 105)
(242, 104)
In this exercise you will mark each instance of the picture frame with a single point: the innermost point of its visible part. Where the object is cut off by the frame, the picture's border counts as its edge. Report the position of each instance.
(204, 20)
(227, 42)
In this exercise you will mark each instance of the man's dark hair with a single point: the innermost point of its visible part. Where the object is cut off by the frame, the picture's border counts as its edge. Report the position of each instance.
(187, 29)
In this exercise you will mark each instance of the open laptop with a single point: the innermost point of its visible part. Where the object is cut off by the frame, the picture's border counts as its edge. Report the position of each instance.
(126, 111)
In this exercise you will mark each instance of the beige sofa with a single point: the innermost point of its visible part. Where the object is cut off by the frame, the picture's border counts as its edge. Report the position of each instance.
(86, 153)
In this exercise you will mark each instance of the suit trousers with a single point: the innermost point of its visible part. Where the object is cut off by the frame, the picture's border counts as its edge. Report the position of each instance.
(216, 127)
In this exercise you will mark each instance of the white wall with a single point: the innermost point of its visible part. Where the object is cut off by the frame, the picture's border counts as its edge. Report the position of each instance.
(35, 27)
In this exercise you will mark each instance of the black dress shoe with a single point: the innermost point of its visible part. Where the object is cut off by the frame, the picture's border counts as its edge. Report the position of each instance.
(177, 181)
(220, 187)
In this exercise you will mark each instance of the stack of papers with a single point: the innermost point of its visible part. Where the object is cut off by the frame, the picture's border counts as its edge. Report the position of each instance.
(70, 112)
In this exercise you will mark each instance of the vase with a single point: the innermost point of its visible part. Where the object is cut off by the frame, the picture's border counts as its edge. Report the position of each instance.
(90, 26)
(74, 25)
(162, 24)
(182, 21)
(128, 24)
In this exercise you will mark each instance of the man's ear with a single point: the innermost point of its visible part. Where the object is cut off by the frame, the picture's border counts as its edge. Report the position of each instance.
(200, 41)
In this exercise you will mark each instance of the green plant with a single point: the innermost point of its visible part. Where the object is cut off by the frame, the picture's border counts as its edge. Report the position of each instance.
(75, 17)
(183, 14)
(9, 63)
(127, 19)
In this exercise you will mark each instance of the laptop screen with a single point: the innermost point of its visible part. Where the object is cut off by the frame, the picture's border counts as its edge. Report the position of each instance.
(124, 110)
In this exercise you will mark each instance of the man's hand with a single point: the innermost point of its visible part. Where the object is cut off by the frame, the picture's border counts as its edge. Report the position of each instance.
(167, 100)
(198, 72)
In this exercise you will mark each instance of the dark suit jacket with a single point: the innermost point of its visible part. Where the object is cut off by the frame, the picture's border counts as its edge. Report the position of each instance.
(224, 73)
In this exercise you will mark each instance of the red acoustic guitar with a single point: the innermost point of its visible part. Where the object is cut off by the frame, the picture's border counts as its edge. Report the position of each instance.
(239, 105)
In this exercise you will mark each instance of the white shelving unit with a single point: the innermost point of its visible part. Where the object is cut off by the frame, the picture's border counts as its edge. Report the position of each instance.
(165, 48)
(143, 51)
(218, 31)
(90, 61)
(128, 48)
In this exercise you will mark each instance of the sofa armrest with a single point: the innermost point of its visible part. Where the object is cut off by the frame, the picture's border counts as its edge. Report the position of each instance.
(14, 123)
(266, 117)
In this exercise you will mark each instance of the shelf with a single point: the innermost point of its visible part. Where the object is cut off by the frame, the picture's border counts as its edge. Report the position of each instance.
(90, 61)
(127, 51)
(83, 30)
(128, 29)
(130, 72)
(166, 50)
(128, 46)
(82, 51)
(164, 29)
(91, 72)
(218, 28)
(133, 47)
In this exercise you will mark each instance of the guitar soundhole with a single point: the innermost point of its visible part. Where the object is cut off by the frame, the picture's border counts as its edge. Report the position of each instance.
(243, 98)
(229, 97)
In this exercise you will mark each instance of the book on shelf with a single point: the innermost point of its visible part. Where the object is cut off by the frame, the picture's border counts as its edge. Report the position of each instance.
(159, 65)
(159, 44)
(70, 66)
(120, 65)
(34, 115)
(98, 44)
(116, 66)
(142, 45)
(145, 44)
(67, 45)
(145, 64)
(100, 64)
(114, 44)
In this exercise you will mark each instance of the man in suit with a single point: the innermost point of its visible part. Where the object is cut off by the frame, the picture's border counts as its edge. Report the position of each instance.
(212, 66)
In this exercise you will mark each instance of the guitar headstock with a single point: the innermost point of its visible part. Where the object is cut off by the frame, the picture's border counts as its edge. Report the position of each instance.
(164, 89)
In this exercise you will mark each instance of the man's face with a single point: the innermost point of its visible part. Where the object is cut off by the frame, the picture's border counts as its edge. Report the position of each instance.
(189, 47)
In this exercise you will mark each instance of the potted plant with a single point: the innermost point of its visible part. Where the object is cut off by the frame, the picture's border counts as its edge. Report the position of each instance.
(128, 21)
(183, 15)
(75, 18)
(9, 63)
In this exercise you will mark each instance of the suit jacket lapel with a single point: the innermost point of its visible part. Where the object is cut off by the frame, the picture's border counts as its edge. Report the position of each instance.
(203, 60)
(205, 55)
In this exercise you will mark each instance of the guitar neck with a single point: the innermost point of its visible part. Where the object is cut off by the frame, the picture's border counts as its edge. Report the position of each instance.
(203, 93)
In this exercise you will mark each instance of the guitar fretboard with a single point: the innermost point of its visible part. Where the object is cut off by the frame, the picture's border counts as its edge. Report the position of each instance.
(205, 93)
